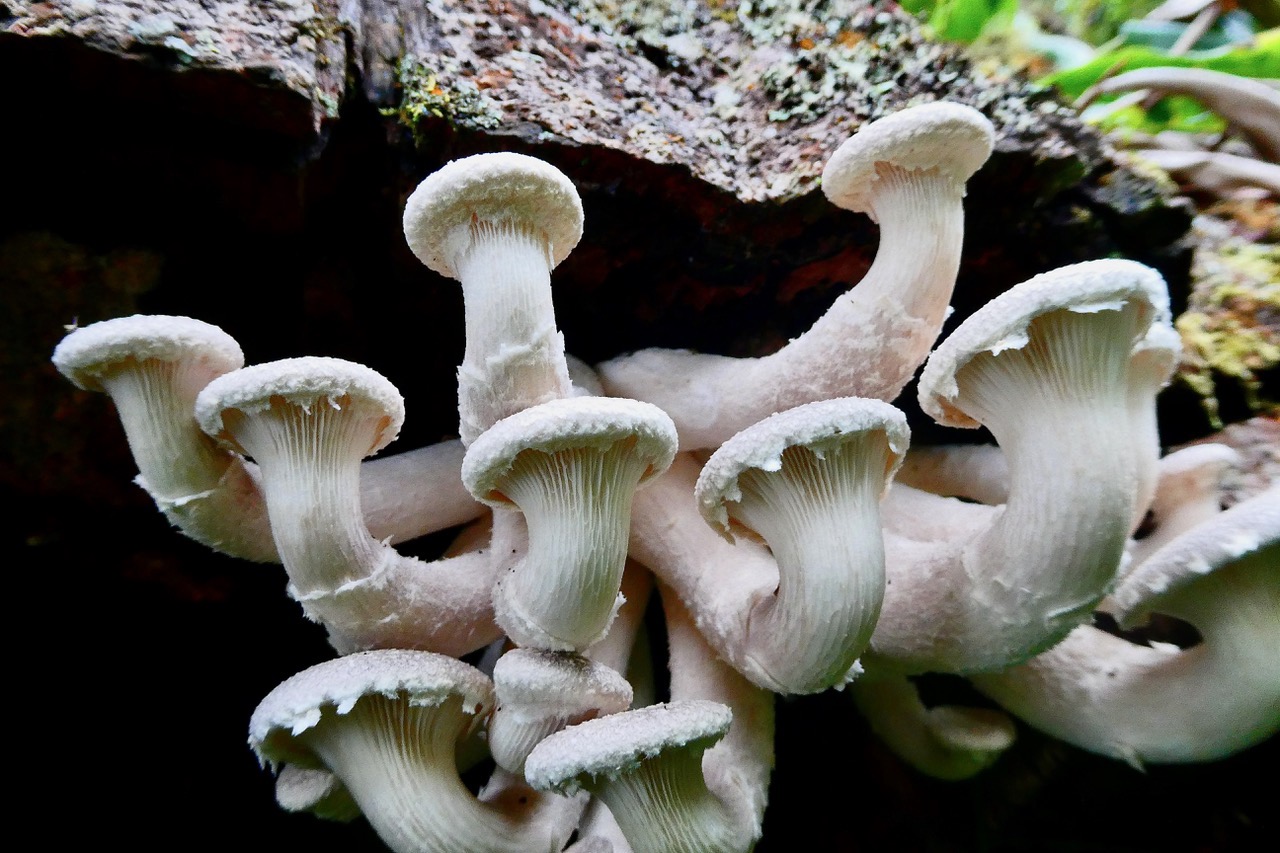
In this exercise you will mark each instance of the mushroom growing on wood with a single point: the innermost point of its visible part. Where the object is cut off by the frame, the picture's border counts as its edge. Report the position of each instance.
(387, 723)
(1046, 367)
(154, 366)
(308, 422)
(499, 223)
(808, 481)
(571, 466)
(907, 171)
(1160, 703)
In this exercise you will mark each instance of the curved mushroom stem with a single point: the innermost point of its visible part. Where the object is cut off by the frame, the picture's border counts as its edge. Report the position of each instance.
(1159, 703)
(1187, 492)
(308, 423)
(416, 492)
(978, 472)
(872, 339)
(1151, 365)
(1046, 367)
(737, 769)
(153, 367)
(947, 741)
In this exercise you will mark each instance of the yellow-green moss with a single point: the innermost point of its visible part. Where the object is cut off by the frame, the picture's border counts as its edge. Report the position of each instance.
(428, 92)
(1232, 326)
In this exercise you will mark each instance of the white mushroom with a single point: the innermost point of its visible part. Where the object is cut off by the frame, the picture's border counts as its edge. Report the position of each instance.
(793, 618)
(646, 765)
(315, 790)
(908, 172)
(571, 466)
(1188, 492)
(499, 223)
(1047, 368)
(387, 724)
(153, 366)
(1160, 703)
(308, 422)
(539, 693)
(944, 741)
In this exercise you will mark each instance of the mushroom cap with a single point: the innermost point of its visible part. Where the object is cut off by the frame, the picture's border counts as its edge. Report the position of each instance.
(573, 422)
(817, 425)
(1002, 323)
(611, 746)
(1232, 534)
(560, 683)
(501, 187)
(305, 382)
(86, 353)
(334, 687)
(952, 138)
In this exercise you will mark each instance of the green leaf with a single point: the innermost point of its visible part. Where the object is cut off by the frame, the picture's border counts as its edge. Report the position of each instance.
(1260, 60)
(965, 20)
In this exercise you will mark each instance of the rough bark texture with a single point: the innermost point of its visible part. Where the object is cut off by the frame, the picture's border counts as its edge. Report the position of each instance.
(246, 163)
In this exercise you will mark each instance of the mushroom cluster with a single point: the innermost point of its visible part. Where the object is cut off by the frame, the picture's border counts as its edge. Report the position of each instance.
(770, 507)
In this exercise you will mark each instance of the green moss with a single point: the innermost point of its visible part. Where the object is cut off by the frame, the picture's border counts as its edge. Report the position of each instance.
(428, 92)
(1231, 329)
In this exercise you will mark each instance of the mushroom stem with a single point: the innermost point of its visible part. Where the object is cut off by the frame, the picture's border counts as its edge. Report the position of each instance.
(514, 354)
(416, 492)
(950, 742)
(908, 172)
(978, 472)
(737, 769)
(1158, 703)
(1188, 491)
